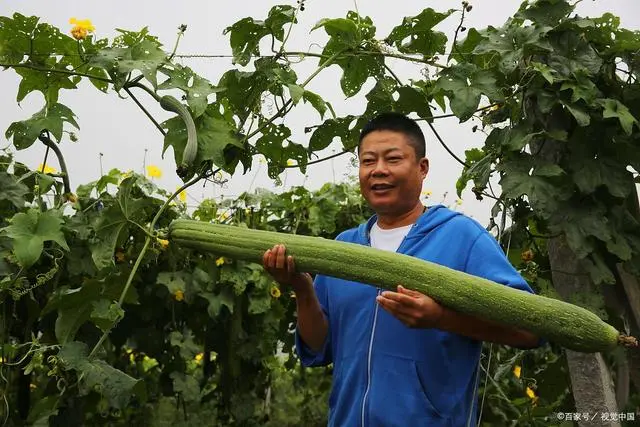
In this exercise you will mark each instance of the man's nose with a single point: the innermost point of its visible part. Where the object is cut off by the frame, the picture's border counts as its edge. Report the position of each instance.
(380, 168)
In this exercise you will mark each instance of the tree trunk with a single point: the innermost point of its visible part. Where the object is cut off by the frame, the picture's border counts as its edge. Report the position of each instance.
(591, 382)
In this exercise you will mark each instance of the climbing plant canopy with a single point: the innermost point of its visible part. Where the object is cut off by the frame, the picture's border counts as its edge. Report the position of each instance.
(556, 94)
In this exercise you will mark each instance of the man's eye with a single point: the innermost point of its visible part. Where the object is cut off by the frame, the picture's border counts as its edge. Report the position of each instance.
(393, 159)
(367, 161)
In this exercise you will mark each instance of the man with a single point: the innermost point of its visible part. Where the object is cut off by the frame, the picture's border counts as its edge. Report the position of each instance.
(400, 358)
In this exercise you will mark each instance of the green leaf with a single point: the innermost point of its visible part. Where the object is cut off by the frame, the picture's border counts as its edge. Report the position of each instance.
(279, 16)
(296, 92)
(70, 320)
(545, 12)
(572, 55)
(545, 71)
(52, 118)
(187, 386)
(105, 314)
(615, 109)
(589, 174)
(174, 280)
(548, 170)
(215, 134)
(185, 343)
(581, 116)
(97, 375)
(12, 190)
(580, 222)
(416, 35)
(275, 145)
(512, 44)
(543, 192)
(143, 54)
(245, 36)
(357, 70)
(343, 30)
(224, 298)
(15, 36)
(464, 85)
(479, 170)
(600, 273)
(332, 128)
(316, 101)
(43, 47)
(114, 220)
(30, 230)
(49, 83)
(352, 34)
(195, 87)
(42, 409)
(581, 89)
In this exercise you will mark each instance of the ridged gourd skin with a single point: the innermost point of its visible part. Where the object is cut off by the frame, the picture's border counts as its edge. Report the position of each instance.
(169, 103)
(563, 323)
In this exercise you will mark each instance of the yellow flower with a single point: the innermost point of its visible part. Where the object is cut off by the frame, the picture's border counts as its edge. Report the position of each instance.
(275, 292)
(531, 394)
(120, 256)
(46, 169)
(182, 196)
(516, 371)
(426, 193)
(154, 171)
(290, 162)
(527, 255)
(459, 202)
(33, 386)
(178, 295)
(199, 357)
(219, 261)
(164, 243)
(81, 27)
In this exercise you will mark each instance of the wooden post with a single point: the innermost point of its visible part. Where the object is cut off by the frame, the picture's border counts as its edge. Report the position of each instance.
(591, 382)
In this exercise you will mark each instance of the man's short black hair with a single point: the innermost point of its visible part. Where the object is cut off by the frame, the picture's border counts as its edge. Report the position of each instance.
(397, 122)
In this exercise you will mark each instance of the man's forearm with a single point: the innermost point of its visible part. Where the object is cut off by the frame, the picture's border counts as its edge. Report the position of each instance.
(312, 323)
(485, 330)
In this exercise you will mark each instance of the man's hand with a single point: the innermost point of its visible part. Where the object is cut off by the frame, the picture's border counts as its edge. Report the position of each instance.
(412, 308)
(312, 323)
(416, 310)
(283, 269)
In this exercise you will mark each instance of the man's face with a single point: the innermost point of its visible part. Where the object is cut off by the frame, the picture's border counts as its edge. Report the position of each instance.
(390, 174)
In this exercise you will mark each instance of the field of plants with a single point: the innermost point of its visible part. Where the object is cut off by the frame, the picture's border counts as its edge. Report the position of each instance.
(106, 322)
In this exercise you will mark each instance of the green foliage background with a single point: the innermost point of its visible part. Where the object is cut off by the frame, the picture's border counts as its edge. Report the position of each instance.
(103, 323)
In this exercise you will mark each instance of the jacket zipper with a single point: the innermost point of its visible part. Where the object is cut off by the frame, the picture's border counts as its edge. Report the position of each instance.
(373, 332)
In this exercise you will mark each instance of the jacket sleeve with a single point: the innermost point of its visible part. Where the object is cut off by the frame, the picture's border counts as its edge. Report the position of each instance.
(486, 259)
(323, 357)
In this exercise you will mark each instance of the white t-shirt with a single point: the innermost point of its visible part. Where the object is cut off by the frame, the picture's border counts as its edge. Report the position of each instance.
(388, 240)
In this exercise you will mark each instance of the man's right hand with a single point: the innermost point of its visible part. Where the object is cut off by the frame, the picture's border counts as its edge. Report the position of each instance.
(283, 269)
(312, 323)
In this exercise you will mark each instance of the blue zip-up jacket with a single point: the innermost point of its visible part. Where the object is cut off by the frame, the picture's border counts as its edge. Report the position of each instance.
(386, 374)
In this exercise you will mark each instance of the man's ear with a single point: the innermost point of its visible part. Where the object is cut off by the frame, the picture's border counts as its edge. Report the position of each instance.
(424, 167)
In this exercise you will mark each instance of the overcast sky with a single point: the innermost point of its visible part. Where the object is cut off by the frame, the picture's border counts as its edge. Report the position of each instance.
(120, 131)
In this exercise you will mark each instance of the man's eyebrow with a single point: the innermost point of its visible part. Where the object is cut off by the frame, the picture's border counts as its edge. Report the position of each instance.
(384, 152)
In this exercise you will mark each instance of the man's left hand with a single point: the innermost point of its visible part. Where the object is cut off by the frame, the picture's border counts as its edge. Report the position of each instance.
(412, 308)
